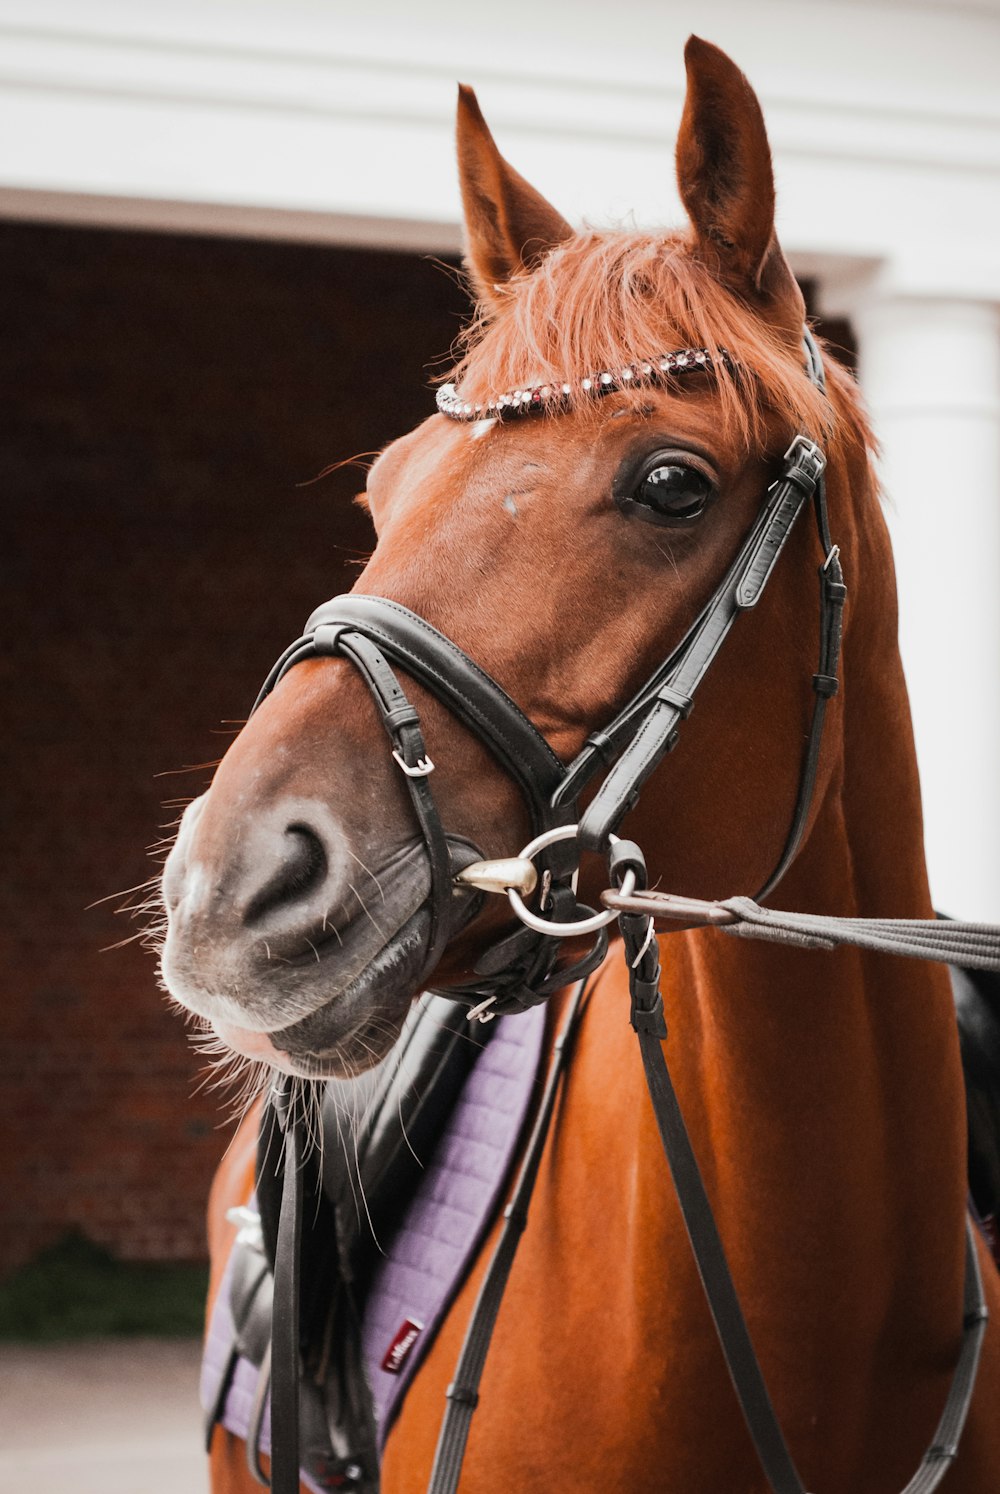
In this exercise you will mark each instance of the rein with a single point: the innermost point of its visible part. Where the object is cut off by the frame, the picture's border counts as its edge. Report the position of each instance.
(523, 968)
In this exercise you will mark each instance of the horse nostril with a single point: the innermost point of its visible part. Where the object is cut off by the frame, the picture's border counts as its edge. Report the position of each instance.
(301, 866)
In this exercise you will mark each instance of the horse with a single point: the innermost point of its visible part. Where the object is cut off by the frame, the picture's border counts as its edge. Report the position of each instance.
(566, 552)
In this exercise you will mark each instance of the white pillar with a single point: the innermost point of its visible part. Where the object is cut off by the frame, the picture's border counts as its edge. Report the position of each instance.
(930, 370)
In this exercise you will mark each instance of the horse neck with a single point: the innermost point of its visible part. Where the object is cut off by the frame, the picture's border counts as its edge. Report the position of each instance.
(828, 1085)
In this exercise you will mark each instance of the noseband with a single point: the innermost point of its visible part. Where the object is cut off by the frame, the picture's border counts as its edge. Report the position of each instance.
(374, 634)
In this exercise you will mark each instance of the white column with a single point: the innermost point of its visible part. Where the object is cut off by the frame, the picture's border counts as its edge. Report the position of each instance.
(930, 369)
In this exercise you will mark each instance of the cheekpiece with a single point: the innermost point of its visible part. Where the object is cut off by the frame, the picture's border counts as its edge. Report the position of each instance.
(554, 397)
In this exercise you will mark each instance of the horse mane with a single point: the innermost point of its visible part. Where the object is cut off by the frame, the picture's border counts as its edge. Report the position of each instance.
(603, 299)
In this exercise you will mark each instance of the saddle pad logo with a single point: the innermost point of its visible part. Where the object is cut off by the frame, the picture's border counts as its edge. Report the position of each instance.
(398, 1351)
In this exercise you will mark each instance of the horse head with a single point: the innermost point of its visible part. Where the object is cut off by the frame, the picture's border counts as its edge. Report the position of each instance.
(566, 551)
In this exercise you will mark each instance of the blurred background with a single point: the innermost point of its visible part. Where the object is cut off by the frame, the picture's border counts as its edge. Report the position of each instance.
(228, 237)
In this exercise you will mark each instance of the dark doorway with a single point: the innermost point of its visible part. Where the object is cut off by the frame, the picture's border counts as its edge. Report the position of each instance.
(165, 399)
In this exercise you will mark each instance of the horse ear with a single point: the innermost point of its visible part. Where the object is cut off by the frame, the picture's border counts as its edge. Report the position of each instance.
(726, 183)
(508, 225)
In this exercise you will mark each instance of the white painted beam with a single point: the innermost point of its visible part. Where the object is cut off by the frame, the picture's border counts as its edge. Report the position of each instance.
(323, 112)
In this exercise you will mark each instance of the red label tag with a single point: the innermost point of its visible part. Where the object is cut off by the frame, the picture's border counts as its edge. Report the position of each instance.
(398, 1351)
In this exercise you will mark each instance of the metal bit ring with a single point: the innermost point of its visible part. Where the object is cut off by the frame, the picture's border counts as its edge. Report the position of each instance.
(546, 925)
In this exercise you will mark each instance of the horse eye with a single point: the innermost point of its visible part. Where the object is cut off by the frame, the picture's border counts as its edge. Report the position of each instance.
(674, 491)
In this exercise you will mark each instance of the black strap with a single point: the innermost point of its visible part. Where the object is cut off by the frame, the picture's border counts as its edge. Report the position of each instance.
(468, 691)
(463, 1392)
(672, 700)
(975, 1315)
(833, 595)
(402, 726)
(826, 680)
(648, 1020)
(285, 1303)
(364, 630)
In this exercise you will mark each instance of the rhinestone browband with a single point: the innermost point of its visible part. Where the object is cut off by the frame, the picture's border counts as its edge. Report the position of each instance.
(536, 398)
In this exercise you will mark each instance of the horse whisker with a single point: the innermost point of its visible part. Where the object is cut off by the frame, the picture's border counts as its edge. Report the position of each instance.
(366, 912)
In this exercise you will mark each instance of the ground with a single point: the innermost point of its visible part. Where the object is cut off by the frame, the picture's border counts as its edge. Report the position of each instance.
(110, 1416)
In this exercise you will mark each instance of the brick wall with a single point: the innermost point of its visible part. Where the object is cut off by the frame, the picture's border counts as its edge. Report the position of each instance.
(162, 399)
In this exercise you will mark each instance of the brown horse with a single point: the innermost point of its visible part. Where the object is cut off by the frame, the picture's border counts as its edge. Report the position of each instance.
(823, 1091)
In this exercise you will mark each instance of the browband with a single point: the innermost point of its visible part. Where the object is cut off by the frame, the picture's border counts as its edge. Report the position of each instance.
(561, 394)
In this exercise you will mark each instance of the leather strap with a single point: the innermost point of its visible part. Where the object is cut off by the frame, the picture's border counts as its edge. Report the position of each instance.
(468, 691)
(285, 1303)
(826, 681)
(730, 1325)
(673, 698)
(402, 726)
(521, 969)
(833, 595)
(463, 1392)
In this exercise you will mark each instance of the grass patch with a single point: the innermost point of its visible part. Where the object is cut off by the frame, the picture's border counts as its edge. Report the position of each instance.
(76, 1289)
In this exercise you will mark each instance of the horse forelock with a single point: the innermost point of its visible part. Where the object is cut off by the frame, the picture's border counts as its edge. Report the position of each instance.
(604, 299)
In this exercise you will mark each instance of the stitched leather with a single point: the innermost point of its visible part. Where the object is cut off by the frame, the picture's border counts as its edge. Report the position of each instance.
(765, 552)
(833, 595)
(285, 1322)
(402, 725)
(476, 699)
(739, 590)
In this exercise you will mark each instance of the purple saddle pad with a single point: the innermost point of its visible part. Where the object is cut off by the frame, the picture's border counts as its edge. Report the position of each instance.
(425, 1261)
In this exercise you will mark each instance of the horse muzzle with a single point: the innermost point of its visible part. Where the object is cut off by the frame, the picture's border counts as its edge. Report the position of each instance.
(277, 918)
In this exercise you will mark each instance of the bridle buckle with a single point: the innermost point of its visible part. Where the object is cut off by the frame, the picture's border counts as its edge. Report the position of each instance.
(804, 463)
(420, 769)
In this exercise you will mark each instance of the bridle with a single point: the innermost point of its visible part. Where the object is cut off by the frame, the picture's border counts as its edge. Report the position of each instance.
(374, 634)
(372, 631)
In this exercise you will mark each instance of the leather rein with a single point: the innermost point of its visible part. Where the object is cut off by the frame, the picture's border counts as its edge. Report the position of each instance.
(375, 634)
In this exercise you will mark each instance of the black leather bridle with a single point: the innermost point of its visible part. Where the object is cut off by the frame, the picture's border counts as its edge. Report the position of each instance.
(372, 631)
(523, 968)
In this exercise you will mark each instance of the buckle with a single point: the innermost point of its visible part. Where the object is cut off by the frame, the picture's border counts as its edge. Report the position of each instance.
(804, 463)
(420, 769)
